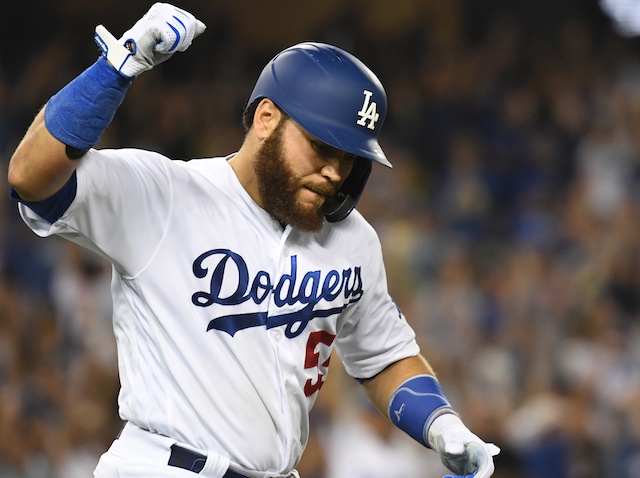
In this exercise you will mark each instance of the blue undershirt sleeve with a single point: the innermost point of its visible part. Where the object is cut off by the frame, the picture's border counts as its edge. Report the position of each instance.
(55, 206)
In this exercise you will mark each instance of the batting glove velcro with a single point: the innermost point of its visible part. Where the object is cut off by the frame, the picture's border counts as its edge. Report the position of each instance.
(162, 31)
(460, 450)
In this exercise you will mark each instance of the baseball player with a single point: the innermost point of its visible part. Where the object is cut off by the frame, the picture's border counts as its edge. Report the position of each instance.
(234, 278)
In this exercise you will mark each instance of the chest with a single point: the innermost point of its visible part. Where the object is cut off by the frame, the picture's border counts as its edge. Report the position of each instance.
(240, 271)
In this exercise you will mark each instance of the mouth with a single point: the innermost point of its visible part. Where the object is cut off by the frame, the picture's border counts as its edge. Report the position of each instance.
(317, 195)
(313, 195)
(323, 190)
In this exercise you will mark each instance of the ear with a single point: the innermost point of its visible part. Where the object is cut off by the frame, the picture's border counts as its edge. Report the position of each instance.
(266, 118)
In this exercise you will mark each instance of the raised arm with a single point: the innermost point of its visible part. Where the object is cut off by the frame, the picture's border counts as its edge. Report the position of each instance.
(73, 120)
(39, 167)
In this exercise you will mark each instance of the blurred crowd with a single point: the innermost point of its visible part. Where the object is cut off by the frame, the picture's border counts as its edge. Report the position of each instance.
(510, 225)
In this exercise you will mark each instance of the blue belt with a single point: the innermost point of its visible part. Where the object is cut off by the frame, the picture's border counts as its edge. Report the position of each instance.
(193, 461)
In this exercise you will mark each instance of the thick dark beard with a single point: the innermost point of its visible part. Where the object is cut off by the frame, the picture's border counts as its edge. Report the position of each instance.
(278, 187)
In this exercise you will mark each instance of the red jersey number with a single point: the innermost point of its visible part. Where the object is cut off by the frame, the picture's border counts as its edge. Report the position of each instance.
(312, 359)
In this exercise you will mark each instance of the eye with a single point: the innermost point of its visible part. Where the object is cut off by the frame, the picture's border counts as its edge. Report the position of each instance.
(350, 158)
(320, 147)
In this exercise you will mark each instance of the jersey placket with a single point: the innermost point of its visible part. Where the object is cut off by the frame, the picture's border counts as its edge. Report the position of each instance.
(281, 345)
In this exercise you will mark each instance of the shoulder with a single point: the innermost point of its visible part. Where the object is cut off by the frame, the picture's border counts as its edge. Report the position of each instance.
(207, 167)
(122, 154)
(110, 162)
(150, 162)
(354, 223)
(354, 232)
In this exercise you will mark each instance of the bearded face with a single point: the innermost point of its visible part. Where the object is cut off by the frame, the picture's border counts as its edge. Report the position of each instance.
(280, 188)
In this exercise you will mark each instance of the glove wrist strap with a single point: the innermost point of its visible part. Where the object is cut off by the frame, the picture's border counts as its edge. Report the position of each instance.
(116, 53)
(79, 113)
(415, 404)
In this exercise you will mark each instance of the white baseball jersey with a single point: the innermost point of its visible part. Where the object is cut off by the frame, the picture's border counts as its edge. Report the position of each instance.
(224, 320)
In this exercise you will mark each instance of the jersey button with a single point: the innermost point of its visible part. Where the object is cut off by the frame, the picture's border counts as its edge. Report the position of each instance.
(277, 335)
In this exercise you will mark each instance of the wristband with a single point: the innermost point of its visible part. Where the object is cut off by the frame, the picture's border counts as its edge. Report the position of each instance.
(415, 404)
(79, 113)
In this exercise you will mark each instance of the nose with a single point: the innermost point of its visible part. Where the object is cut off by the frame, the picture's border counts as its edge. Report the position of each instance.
(338, 166)
(332, 169)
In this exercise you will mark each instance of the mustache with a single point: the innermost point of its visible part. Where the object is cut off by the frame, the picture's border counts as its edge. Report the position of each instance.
(326, 189)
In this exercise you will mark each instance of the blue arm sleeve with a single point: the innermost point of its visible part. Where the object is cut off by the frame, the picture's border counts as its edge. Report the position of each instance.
(415, 404)
(55, 206)
(79, 113)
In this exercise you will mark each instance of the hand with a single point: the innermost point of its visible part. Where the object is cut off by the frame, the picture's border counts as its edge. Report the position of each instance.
(460, 450)
(162, 31)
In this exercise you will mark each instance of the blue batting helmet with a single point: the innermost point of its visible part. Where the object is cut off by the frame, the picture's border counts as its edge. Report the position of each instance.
(337, 99)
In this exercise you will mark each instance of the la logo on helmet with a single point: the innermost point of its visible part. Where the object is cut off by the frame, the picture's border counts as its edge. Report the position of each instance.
(368, 111)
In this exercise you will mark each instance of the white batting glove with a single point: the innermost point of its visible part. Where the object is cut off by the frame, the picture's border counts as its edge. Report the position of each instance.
(162, 31)
(460, 450)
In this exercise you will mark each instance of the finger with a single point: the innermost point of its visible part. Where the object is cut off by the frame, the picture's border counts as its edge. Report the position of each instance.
(481, 456)
(493, 449)
(163, 40)
(200, 28)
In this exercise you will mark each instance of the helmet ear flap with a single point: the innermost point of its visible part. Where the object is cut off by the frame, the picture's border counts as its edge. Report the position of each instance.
(339, 206)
